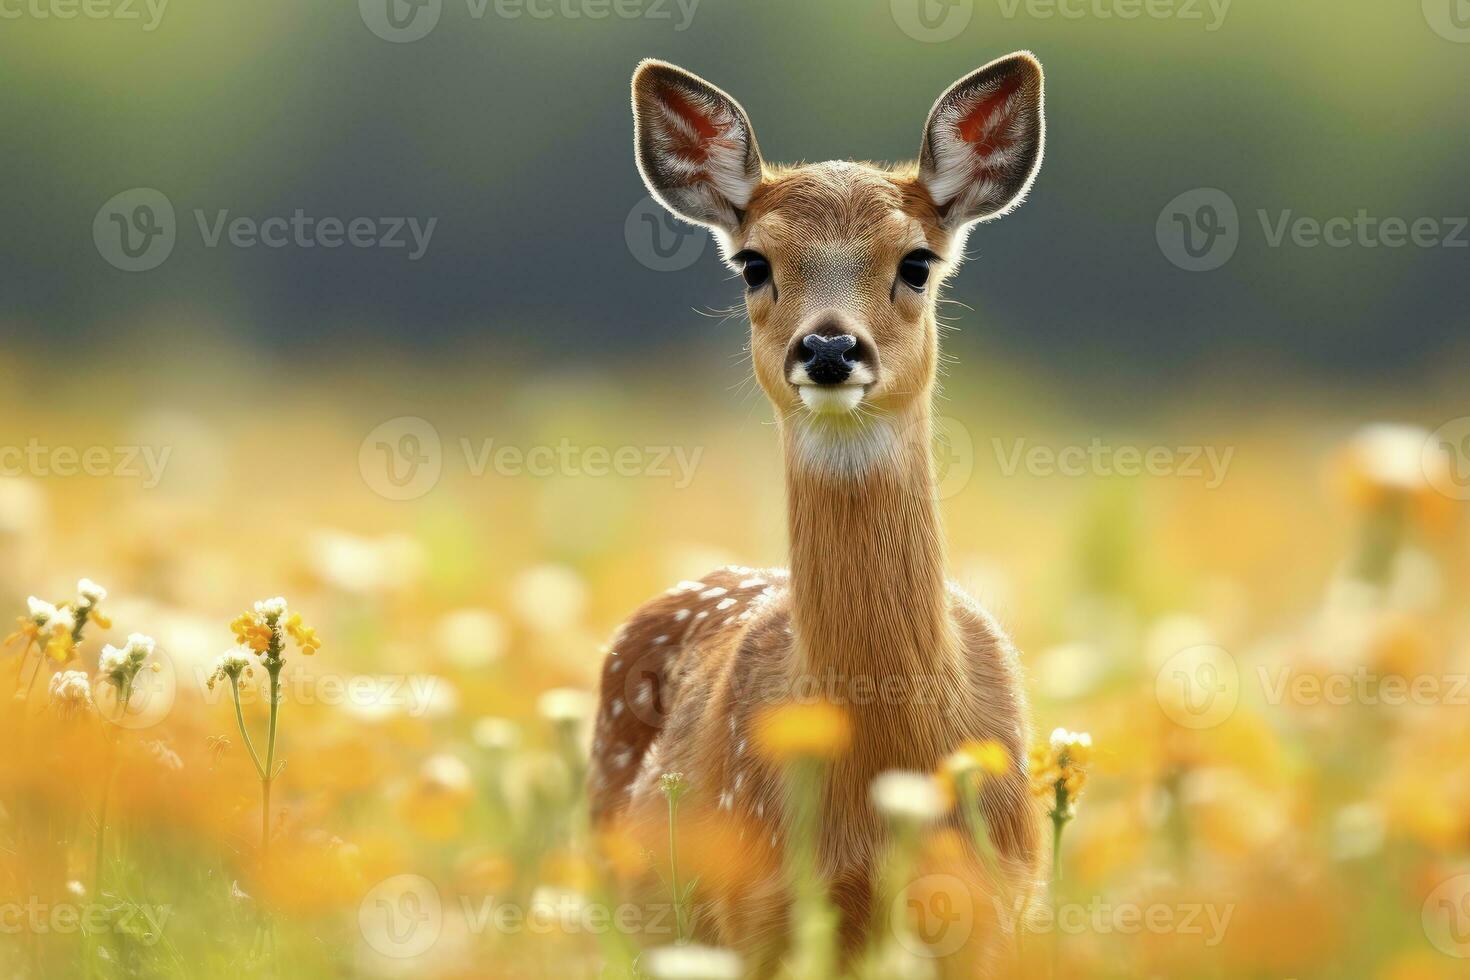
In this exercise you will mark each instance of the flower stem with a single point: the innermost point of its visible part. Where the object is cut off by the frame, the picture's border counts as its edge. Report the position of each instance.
(268, 777)
(245, 734)
(680, 928)
(1056, 850)
(107, 781)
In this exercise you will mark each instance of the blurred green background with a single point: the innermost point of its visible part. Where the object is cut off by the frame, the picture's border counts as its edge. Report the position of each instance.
(514, 133)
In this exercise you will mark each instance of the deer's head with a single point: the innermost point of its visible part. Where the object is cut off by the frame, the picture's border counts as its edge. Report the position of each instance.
(842, 262)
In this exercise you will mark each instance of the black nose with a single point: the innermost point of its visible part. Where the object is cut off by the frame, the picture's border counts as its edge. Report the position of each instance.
(826, 358)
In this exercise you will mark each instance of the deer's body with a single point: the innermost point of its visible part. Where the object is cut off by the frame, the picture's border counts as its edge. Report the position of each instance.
(844, 341)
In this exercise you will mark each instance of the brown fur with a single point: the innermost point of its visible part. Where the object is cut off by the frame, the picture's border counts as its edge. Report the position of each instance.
(865, 618)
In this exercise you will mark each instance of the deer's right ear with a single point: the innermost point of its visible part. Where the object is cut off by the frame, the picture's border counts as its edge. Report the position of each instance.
(696, 150)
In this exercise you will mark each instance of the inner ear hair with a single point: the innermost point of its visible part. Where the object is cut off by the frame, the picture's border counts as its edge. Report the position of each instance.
(984, 140)
(696, 149)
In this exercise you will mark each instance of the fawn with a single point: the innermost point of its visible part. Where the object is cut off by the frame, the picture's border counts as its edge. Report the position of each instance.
(842, 264)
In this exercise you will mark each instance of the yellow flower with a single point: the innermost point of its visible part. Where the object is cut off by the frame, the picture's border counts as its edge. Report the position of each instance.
(987, 758)
(304, 636)
(251, 632)
(818, 731)
(59, 646)
(1059, 771)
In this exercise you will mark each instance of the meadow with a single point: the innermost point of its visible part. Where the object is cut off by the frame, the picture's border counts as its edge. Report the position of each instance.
(1259, 621)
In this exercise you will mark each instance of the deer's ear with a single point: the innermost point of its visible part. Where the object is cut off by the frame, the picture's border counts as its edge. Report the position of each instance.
(983, 141)
(696, 150)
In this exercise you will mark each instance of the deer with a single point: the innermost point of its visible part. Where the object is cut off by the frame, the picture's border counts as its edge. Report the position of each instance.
(842, 265)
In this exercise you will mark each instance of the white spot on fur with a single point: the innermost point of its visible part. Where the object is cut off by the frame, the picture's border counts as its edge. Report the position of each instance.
(713, 593)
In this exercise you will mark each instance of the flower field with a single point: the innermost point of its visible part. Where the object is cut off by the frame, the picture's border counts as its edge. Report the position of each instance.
(1257, 674)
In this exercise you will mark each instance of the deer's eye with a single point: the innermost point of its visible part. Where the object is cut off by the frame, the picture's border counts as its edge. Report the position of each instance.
(754, 268)
(914, 269)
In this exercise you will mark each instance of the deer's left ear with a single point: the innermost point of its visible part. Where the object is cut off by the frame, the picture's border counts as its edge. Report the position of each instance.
(983, 141)
(696, 149)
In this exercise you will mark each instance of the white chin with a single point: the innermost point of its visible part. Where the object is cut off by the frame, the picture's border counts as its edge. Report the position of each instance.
(837, 400)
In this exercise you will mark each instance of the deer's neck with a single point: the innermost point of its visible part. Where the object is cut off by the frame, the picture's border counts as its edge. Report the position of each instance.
(867, 553)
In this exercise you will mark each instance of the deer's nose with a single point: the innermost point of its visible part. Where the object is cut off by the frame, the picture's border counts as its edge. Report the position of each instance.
(827, 359)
